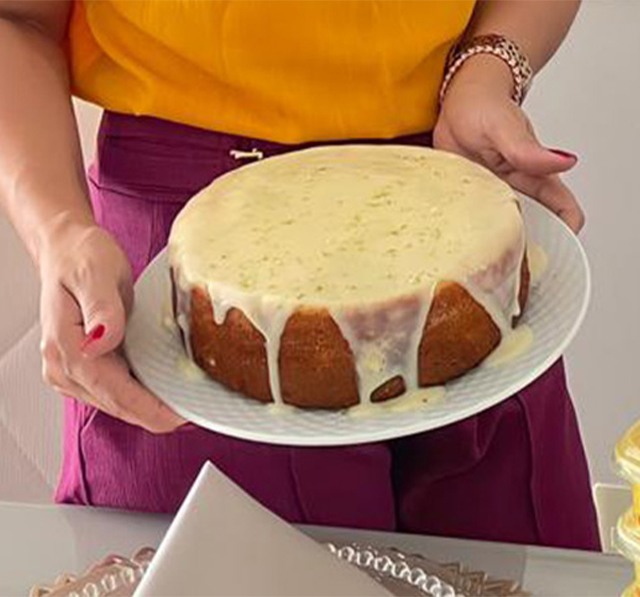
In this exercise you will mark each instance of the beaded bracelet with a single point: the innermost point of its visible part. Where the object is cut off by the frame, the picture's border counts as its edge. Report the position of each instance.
(496, 45)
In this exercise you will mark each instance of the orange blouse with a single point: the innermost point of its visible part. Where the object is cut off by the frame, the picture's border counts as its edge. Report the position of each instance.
(283, 70)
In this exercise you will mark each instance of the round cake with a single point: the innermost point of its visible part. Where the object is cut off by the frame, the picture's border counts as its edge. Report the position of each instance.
(342, 275)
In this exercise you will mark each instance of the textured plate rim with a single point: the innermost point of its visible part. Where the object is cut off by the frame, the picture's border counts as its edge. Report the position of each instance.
(392, 432)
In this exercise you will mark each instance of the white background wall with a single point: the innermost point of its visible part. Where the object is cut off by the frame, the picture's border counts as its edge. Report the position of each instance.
(587, 101)
(584, 101)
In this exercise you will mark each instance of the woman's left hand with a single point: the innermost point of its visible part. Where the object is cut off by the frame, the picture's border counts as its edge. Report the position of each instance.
(480, 121)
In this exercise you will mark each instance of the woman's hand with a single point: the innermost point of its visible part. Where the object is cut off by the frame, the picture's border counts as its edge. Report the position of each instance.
(480, 121)
(86, 293)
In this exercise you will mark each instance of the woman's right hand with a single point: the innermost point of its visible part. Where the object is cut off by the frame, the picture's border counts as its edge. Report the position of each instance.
(86, 293)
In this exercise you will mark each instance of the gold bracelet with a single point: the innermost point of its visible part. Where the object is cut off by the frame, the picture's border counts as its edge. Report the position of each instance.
(496, 45)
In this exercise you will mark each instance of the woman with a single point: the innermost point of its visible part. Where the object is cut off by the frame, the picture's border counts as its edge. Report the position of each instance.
(184, 85)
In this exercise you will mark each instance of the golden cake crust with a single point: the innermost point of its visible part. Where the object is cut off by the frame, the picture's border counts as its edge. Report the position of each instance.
(316, 365)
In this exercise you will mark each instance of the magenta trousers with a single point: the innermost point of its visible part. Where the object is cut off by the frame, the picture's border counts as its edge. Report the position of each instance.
(514, 473)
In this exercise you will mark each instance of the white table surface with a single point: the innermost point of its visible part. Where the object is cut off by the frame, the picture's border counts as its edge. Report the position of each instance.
(39, 542)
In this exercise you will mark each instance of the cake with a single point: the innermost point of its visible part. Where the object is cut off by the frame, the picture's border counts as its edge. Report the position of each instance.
(343, 275)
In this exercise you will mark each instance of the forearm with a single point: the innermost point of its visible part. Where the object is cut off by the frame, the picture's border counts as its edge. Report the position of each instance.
(42, 184)
(537, 26)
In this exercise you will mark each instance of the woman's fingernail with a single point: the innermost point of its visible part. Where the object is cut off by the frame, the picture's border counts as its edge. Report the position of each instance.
(95, 334)
(565, 154)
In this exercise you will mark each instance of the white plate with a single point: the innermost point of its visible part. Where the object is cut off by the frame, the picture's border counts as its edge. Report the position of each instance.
(556, 308)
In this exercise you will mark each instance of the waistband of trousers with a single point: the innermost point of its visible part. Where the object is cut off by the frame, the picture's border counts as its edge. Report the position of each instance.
(162, 161)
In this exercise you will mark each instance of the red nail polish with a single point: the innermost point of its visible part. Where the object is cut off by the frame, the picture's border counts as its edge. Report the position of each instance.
(565, 154)
(95, 334)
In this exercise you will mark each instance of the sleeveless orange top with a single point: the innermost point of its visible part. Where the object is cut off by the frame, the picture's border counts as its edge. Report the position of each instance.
(288, 71)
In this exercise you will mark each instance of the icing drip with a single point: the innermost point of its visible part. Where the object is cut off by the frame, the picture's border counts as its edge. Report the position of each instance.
(497, 289)
(513, 345)
(412, 356)
(221, 307)
(183, 312)
(490, 304)
(366, 232)
(365, 409)
(416, 399)
(385, 341)
(189, 369)
(280, 409)
(273, 322)
(538, 262)
(167, 319)
(267, 314)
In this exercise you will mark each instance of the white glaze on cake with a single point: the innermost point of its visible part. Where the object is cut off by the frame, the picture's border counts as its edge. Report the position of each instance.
(366, 232)
(189, 370)
(513, 345)
(416, 399)
(538, 262)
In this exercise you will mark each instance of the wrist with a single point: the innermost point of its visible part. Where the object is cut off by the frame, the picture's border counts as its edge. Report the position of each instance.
(481, 51)
(485, 71)
(488, 71)
(63, 233)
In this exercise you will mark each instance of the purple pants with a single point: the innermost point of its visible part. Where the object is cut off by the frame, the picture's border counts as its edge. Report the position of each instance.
(514, 473)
